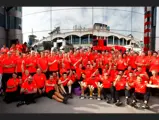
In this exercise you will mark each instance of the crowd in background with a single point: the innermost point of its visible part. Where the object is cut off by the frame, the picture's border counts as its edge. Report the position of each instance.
(26, 76)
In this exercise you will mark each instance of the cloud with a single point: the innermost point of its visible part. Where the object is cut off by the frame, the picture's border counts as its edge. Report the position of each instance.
(118, 18)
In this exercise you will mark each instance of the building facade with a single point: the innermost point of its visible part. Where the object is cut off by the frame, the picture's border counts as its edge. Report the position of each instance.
(10, 25)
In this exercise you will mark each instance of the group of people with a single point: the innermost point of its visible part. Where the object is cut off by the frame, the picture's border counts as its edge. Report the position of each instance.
(111, 74)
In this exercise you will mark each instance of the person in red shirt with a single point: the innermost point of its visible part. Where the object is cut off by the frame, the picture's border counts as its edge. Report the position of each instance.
(107, 83)
(31, 63)
(1, 72)
(154, 80)
(113, 72)
(84, 86)
(53, 63)
(19, 46)
(9, 65)
(129, 70)
(19, 64)
(28, 92)
(141, 90)
(4, 49)
(129, 89)
(39, 78)
(12, 89)
(52, 90)
(154, 64)
(65, 83)
(121, 63)
(43, 64)
(119, 85)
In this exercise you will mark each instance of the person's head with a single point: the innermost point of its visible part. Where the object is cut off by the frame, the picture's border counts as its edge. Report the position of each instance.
(143, 54)
(51, 77)
(119, 56)
(54, 74)
(4, 46)
(9, 54)
(106, 76)
(88, 66)
(26, 72)
(149, 52)
(14, 75)
(30, 79)
(118, 76)
(38, 71)
(154, 72)
(130, 74)
(155, 54)
(64, 75)
(107, 66)
(114, 67)
(139, 79)
(120, 73)
(129, 68)
(80, 66)
(83, 75)
(32, 53)
(41, 54)
(139, 68)
(124, 55)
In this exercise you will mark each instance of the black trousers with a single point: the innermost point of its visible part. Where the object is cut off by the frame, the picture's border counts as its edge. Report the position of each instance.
(119, 93)
(27, 97)
(11, 97)
(5, 78)
(128, 93)
(76, 84)
(145, 96)
(108, 93)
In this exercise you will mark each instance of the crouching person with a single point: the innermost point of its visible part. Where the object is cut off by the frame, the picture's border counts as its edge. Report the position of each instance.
(119, 85)
(141, 91)
(12, 92)
(65, 85)
(107, 83)
(28, 92)
(53, 92)
(84, 86)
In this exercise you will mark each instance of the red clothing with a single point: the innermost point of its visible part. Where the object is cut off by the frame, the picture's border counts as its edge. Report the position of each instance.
(33, 61)
(93, 81)
(4, 50)
(143, 61)
(113, 73)
(121, 64)
(30, 87)
(144, 78)
(11, 82)
(24, 77)
(43, 63)
(49, 88)
(120, 85)
(1, 64)
(19, 47)
(62, 70)
(127, 72)
(154, 64)
(9, 61)
(154, 80)
(40, 80)
(140, 87)
(19, 64)
(55, 65)
(65, 81)
(107, 83)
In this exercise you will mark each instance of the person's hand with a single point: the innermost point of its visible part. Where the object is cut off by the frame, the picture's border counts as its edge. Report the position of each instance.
(43, 90)
(40, 91)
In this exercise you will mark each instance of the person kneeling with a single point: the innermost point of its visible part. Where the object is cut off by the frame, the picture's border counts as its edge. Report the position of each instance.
(53, 92)
(141, 90)
(65, 84)
(12, 89)
(28, 92)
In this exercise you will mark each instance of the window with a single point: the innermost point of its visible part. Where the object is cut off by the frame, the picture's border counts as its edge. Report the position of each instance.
(95, 42)
(121, 41)
(115, 41)
(2, 20)
(105, 42)
(110, 40)
(75, 40)
(14, 22)
(19, 9)
(84, 40)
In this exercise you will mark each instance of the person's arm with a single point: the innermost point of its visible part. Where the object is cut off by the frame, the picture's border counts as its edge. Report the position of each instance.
(34, 91)
(23, 90)
(152, 86)
(49, 85)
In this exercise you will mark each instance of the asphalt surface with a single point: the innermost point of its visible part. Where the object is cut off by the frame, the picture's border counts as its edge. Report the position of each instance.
(75, 105)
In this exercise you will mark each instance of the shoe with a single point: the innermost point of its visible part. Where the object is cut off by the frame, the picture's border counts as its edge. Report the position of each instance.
(127, 101)
(33, 101)
(20, 103)
(82, 97)
(118, 103)
(65, 100)
(70, 96)
(90, 97)
(145, 106)
(133, 104)
(108, 101)
(98, 98)
(114, 100)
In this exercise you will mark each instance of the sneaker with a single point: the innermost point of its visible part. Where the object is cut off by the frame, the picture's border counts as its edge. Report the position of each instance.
(90, 97)
(118, 103)
(98, 98)
(70, 96)
(127, 101)
(65, 100)
(82, 97)
(20, 103)
(108, 101)
(145, 106)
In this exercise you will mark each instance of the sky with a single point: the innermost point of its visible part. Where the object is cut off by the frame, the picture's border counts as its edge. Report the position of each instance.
(44, 19)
